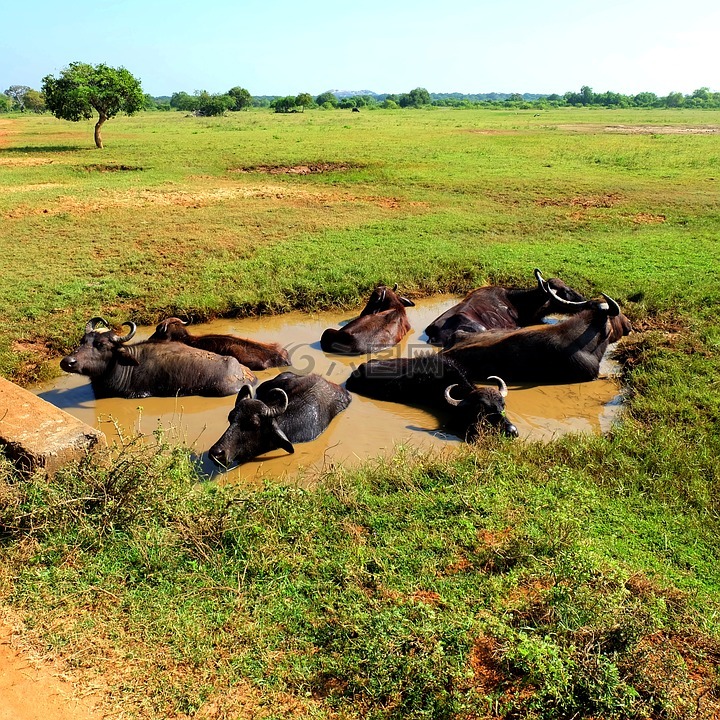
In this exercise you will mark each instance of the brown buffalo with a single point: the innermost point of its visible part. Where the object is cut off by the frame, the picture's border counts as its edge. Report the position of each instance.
(252, 354)
(499, 308)
(382, 324)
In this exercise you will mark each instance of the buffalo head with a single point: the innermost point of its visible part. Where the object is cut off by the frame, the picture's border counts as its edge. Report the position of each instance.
(481, 407)
(171, 328)
(384, 298)
(98, 348)
(253, 431)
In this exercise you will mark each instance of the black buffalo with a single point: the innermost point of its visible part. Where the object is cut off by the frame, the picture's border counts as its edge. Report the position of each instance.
(288, 409)
(382, 324)
(251, 353)
(144, 369)
(569, 351)
(495, 307)
(439, 383)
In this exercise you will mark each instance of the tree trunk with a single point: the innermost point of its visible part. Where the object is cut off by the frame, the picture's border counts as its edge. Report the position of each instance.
(98, 125)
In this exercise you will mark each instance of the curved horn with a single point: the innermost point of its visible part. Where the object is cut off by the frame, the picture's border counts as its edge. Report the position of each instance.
(613, 307)
(94, 322)
(450, 399)
(562, 301)
(541, 281)
(382, 294)
(502, 387)
(275, 411)
(395, 287)
(245, 392)
(132, 330)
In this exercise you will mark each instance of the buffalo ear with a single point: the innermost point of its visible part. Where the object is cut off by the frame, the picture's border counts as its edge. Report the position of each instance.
(282, 439)
(406, 302)
(125, 358)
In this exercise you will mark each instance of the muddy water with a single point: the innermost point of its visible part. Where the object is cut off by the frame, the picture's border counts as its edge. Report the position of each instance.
(367, 428)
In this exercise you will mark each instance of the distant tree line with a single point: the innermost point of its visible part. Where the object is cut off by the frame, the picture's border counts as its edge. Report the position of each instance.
(25, 99)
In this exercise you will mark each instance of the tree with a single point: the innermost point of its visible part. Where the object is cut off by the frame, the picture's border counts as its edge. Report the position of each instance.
(5, 103)
(17, 94)
(34, 101)
(415, 98)
(243, 99)
(212, 105)
(326, 97)
(83, 88)
(303, 100)
(183, 101)
(285, 104)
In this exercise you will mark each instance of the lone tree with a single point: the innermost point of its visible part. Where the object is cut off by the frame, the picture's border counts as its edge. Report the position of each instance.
(17, 94)
(242, 97)
(82, 89)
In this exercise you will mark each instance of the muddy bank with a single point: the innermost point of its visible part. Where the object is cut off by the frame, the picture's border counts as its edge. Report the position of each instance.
(366, 429)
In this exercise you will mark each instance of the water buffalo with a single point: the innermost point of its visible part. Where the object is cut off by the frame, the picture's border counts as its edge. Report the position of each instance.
(382, 324)
(496, 307)
(569, 351)
(289, 408)
(144, 369)
(252, 354)
(439, 383)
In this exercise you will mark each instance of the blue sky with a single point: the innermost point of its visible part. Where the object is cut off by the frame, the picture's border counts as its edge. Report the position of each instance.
(283, 47)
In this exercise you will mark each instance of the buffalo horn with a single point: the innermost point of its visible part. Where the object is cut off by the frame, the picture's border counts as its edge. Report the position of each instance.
(562, 301)
(94, 322)
(395, 287)
(502, 387)
(129, 336)
(278, 410)
(245, 392)
(542, 283)
(451, 400)
(613, 307)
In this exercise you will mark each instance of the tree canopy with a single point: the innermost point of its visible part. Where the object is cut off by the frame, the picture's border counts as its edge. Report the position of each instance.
(241, 96)
(17, 94)
(82, 89)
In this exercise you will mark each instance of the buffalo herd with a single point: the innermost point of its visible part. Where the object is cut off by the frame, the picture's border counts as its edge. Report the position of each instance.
(494, 335)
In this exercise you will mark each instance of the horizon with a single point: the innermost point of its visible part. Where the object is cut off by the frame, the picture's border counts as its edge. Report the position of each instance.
(279, 48)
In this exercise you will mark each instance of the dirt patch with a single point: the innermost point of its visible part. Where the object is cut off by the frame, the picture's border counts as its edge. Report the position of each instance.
(35, 688)
(201, 198)
(35, 355)
(111, 168)
(643, 129)
(309, 169)
(24, 161)
(681, 667)
(487, 676)
(582, 201)
(493, 132)
(648, 219)
(32, 188)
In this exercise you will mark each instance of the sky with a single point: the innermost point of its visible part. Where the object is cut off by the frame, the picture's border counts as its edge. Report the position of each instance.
(285, 47)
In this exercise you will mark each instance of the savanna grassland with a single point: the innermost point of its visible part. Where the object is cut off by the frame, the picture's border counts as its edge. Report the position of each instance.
(575, 579)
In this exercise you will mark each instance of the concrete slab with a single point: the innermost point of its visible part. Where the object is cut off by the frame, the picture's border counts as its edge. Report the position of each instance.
(36, 434)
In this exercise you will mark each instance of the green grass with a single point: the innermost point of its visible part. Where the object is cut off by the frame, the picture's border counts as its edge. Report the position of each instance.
(510, 579)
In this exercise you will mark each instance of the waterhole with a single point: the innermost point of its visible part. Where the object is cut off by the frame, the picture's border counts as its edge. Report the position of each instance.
(367, 428)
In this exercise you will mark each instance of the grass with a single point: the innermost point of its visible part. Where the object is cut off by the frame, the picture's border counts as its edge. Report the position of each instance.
(572, 579)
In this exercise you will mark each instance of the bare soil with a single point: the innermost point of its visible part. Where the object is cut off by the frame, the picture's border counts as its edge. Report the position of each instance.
(202, 198)
(643, 129)
(35, 688)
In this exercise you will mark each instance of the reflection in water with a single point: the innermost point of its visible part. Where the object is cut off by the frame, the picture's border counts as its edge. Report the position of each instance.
(366, 429)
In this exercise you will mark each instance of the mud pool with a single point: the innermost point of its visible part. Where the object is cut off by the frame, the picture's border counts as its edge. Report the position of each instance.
(368, 428)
